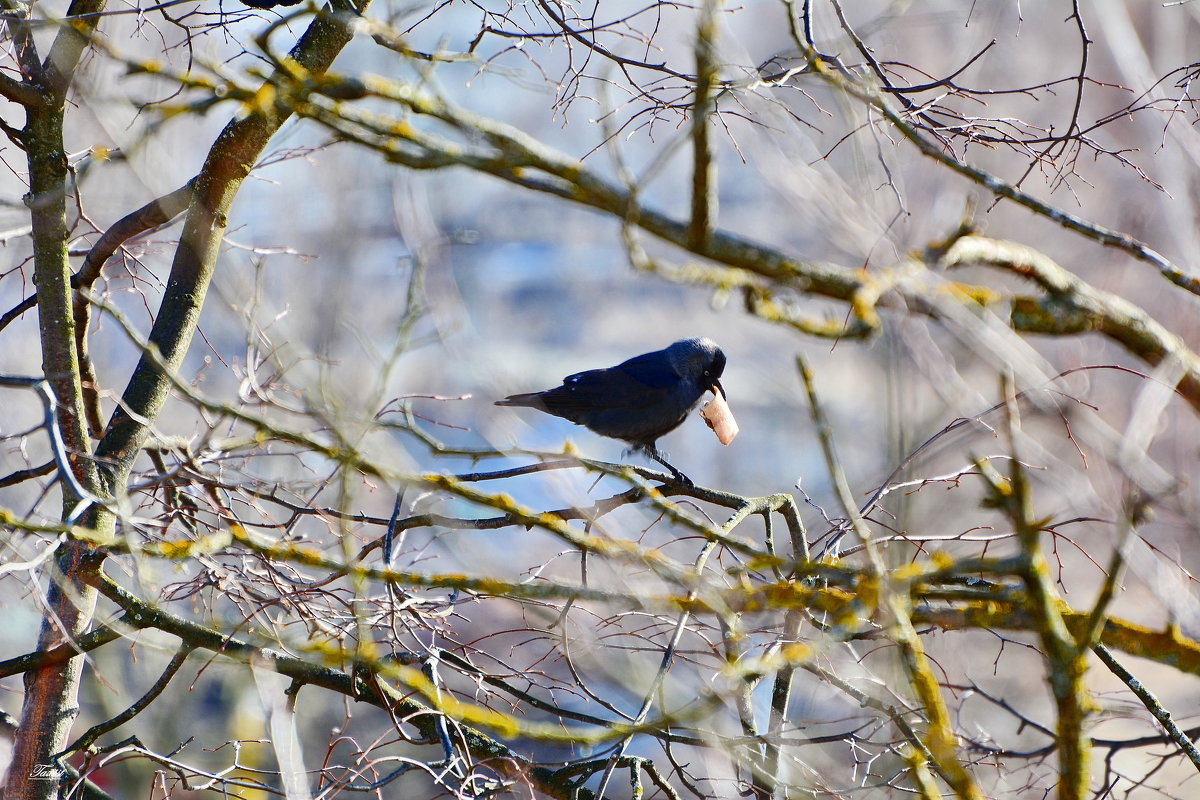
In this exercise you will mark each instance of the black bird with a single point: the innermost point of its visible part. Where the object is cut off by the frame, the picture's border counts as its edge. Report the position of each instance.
(638, 400)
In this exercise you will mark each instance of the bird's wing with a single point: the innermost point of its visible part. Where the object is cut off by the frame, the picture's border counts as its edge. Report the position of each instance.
(637, 383)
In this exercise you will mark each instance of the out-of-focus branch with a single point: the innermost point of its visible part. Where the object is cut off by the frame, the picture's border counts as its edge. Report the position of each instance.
(230, 160)
(896, 602)
(854, 519)
(1066, 661)
(516, 157)
(1168, 647)
(1072, 306)
(303, 672)
(704, 166)
(72, 39)
(781, 695)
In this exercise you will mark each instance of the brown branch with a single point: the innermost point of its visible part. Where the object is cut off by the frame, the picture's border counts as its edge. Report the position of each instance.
(93, 733)
(157, 212)
(22, 475)
(232, 156)
(18, 92)
(51, 692)
(97, 637)
(17, 21)
(595, 46)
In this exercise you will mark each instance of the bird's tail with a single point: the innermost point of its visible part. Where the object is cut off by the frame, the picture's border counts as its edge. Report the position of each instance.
(530, 400)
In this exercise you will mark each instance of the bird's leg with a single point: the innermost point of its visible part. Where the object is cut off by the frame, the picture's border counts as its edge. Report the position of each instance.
(679, 477)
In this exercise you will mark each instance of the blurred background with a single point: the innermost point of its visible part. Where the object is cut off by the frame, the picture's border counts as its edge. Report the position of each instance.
(515, 290)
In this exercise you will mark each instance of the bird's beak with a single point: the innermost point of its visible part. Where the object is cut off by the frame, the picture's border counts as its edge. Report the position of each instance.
(718, 388)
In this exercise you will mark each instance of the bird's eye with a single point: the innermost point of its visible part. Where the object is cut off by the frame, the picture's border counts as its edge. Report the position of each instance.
(707, 374)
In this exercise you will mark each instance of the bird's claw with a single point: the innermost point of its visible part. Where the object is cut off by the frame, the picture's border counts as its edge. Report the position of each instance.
(683, 480)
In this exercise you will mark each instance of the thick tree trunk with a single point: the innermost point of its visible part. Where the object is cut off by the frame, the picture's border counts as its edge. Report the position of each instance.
(51, 693)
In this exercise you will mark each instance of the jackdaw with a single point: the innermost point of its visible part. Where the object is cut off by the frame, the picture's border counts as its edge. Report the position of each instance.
(638, 400)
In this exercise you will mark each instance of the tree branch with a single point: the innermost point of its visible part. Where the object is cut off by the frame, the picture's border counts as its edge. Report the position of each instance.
(229, 161)
(157, 212)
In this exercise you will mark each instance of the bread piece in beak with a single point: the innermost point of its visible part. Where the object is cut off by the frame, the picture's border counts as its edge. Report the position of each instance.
(717, 416)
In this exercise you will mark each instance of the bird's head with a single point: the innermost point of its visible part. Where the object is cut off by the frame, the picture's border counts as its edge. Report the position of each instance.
(701, 360)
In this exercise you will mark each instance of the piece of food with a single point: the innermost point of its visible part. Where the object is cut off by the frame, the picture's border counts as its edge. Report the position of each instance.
(717, 416)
